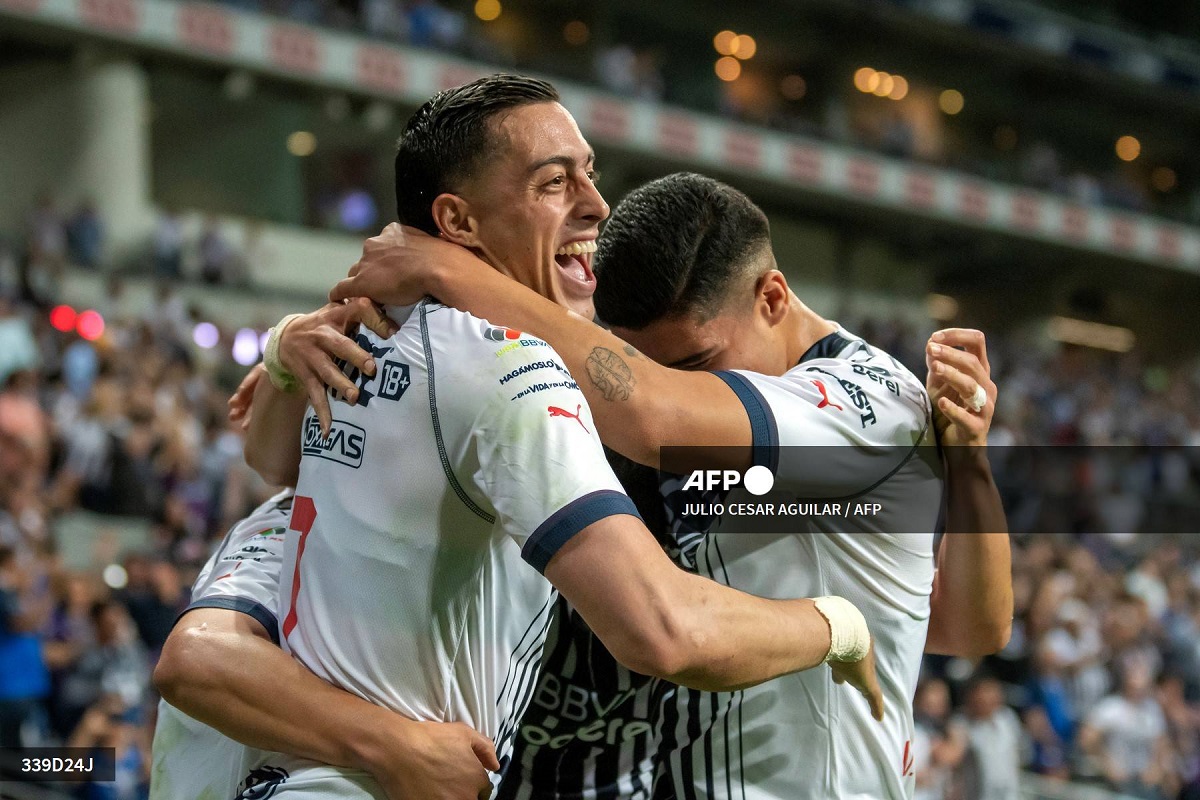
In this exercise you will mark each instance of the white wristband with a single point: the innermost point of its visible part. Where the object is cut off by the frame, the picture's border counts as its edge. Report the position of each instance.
(283, 380)
(849, 636)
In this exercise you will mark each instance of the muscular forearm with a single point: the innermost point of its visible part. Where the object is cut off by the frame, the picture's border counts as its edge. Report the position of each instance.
(272, 446)
(738, 641)
(972, 601)
(216, 668)
(639, 406)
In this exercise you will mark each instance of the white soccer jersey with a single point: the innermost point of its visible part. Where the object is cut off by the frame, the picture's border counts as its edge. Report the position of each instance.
(422, 522)
(190, 759)
(848, 425)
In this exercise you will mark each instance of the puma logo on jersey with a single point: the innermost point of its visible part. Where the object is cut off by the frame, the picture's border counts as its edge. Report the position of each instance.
(825, 401)
(555, 411)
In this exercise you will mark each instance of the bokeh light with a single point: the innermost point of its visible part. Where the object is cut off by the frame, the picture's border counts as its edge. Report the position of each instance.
(1163, 179)
(725, 43)
(487, 10)
(728, 68)
(245, 347)
(744, 47)
(90, 325)
(206, 335)
(62, 318)
(576, 32)
(793, 87)
(951, 101)
(1128, 148)
(301, 143)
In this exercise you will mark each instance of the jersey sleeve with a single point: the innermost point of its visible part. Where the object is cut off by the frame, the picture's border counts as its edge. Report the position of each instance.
(243, 574)
(540, 461)
(833, 428)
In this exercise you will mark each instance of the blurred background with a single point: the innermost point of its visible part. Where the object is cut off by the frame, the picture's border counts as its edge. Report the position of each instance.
(178, 175)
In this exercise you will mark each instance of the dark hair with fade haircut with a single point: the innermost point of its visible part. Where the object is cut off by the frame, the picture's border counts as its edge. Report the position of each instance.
(447, 139)
(675, 246)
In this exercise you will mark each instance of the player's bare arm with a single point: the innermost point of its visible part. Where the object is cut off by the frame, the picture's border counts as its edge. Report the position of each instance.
(972, 600)
(221, 667)
(639, 405)
(658, 620)
(275, 410)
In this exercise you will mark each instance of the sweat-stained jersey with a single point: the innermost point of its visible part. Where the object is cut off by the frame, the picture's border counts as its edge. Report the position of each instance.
(190, 759)
(422, 523)
(847, 425)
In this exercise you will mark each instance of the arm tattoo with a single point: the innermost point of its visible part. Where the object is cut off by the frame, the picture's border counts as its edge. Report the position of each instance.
(632, 351)
(610, 374)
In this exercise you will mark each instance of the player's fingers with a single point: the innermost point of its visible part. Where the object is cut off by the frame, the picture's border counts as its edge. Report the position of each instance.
(960, 416)
(964, 361)
(347, 288)
(361, 310)
(963, 385)
(485, 751)
(334, 345)
(970, 339)
(319, 398)
(335, 379)
(875, 697)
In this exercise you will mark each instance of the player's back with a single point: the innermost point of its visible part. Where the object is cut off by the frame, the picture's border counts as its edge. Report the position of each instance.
(856, 458)
(190, 759)
(422, 520)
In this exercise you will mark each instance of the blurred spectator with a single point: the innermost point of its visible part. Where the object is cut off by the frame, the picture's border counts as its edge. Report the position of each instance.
(217, 256)
(47, 240)
(114, 665)
(24, 680)
(1127, 734)
(938, 746)
(385, 19)
(85, 235)
(992, 771)
(155, 601)
(168, 245)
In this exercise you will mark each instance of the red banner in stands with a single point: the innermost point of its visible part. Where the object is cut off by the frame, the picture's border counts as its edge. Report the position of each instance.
(206, 28)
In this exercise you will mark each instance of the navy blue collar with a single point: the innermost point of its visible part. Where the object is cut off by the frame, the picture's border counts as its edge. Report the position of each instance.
(827, 347)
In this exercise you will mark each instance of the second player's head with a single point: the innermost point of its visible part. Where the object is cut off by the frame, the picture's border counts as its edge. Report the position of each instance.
(500, 167)
(687, 275)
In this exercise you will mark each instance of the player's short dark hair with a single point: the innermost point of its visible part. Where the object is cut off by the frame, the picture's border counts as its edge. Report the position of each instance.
(675, 246)
(449, 137)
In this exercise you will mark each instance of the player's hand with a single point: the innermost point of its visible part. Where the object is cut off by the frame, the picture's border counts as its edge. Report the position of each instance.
(312, 342)
(397, 266)
(954, 375)
(241, 400)
(861, 675)
(438, 761)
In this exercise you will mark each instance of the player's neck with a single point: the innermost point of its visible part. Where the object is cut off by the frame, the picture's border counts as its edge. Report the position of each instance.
(806, 328)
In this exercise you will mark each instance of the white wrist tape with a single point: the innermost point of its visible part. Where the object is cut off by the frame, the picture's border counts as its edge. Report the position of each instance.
(849, 637)
(283, 380)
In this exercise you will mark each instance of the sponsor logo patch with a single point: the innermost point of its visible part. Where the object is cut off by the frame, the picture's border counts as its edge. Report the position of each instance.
(261, 783)
(345, 443)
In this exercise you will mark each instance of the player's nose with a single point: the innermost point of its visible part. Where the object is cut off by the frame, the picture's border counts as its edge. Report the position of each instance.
(590, 204)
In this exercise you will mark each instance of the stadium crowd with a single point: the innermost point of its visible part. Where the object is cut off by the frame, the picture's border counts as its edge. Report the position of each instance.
(1100, 682)
(655, 71)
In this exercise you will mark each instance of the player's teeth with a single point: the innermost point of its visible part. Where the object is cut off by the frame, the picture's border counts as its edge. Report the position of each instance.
(577, 248)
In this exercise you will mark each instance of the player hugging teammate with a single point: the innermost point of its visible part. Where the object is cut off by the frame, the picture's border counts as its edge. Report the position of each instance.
(417, 577)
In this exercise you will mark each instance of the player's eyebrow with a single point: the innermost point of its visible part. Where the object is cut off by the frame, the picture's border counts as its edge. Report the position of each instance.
(565, 161)
(693, 360)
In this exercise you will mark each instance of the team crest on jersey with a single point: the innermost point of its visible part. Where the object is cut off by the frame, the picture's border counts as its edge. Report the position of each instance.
(391, 378)
(496, 334)
(261, 783)
(344, 444)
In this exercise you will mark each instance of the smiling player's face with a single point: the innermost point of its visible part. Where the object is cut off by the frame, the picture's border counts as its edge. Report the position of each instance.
(535, 205)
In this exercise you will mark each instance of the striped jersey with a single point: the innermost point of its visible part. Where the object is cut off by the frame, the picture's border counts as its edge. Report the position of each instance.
(423, 520)
(190, 759)
(847, 435)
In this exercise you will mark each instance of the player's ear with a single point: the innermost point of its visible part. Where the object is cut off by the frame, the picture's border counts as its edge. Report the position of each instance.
(772, 296)
(452, 214)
